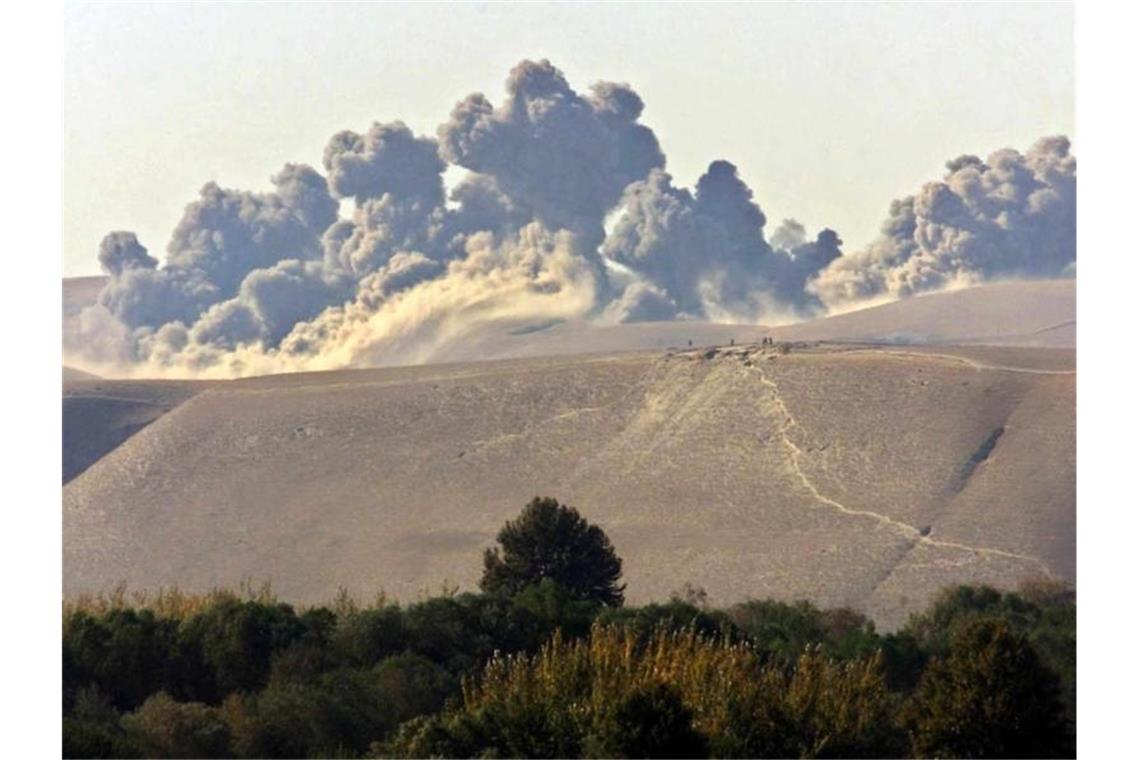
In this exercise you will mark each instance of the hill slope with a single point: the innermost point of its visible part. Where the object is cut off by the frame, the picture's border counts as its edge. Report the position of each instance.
(98, 415)
(1039, 313)
(813, 474)
(1032, 313)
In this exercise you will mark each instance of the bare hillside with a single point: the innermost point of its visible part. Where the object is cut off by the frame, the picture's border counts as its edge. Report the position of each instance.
(1032, 313)
(98, 414)
(861, 476)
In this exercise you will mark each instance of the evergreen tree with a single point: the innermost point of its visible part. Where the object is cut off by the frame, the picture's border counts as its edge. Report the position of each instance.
(550, 540)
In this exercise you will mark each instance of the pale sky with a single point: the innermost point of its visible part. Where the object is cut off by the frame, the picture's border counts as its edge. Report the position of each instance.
(829, 111)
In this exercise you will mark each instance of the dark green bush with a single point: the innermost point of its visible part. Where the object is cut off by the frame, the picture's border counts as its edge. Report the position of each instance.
(650, 722)
(126, 653)
(163, 727)
(229, 646)
(362, 638)
(989, 697)
(412, 685)
(674, 615)
(83, 739)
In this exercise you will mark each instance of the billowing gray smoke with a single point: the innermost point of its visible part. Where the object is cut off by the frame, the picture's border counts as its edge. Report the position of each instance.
(275, 281)
(561, 158)
(222, 237)
(1011, 215)
(706, 251)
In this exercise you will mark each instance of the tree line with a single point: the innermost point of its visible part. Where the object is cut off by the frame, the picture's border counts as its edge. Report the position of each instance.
(546, 660)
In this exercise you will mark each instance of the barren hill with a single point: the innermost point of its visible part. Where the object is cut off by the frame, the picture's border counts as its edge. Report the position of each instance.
(849, 475)
(1031, 313)
(98, 414)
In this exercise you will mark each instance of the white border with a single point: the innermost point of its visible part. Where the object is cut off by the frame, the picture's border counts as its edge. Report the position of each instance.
(1109, 344)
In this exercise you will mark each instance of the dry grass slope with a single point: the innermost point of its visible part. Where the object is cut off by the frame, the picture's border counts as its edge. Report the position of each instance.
(98, 415)
(848, 475)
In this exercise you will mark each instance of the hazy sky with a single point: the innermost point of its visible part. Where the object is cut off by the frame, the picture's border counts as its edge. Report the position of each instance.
(829, 111)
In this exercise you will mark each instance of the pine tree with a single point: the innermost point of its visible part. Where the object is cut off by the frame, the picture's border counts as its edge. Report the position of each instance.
(550, 540)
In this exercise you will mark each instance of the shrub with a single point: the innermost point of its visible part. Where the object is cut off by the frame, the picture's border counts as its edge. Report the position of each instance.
(229, 646)
(572, 696)
(83, 739)
(1045, 611)
(163, 727)
(784, 629)
(92, 729)
(957, 606)
(412, 685)
(364, 637)
(675, 615)
(648, 722)
(125, 653)
(990, 697)
(552, 607)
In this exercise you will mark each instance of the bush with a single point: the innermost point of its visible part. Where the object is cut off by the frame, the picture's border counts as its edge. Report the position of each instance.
(617, 692)
(648, 722)
(411, 686)
(545, 671)
(82, 739)
(958, 606)
(340, 714)
(163, 727)
(127, 654)
(784, 629)
(365, 637)
(229, 646)
(990, 697)
(675, 615)
(92, 729)
(1044, 611)
(553, 607)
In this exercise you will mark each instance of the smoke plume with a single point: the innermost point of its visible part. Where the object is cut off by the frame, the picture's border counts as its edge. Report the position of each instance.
(562, 158)
(1011, 215)
(705, 251)
(279, 280)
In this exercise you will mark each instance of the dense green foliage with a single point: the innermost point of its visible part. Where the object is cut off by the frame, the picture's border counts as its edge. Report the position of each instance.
(544, 670)
(673, 693)
(552, 541)
(990, 697)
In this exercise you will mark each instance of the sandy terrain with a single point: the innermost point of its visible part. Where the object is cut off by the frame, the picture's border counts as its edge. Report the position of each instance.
(814, 474)
(1039, 313)
(98, 414)
(1036, 313)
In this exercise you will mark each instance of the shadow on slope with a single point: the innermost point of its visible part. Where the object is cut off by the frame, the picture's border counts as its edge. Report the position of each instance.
(99, 415)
